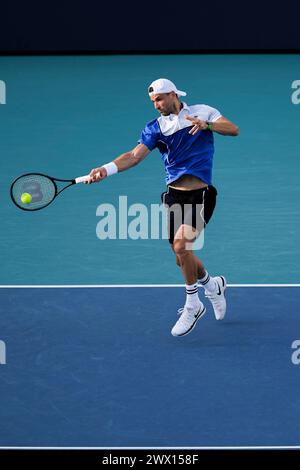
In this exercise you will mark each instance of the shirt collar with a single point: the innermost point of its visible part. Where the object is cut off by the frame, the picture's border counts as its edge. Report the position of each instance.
(184, 109)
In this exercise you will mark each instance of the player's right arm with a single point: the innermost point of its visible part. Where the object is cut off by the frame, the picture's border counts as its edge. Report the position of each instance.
(123, 162)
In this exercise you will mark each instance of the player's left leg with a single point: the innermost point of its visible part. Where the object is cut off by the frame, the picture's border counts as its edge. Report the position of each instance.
(202, 203)
(200, 267)
(193, 308)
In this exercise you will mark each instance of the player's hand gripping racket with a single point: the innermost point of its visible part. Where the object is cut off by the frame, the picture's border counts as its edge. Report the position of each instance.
(34, 191)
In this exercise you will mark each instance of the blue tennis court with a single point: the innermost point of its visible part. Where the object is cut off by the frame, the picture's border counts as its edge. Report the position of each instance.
(89, 358)
(98, 367)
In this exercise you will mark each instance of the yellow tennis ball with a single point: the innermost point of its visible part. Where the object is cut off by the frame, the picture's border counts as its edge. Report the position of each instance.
(26, 198)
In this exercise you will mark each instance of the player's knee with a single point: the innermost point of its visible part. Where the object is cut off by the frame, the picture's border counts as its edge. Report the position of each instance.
(179, 247)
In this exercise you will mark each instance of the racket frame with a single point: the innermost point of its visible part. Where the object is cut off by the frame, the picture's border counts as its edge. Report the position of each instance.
(51, 178)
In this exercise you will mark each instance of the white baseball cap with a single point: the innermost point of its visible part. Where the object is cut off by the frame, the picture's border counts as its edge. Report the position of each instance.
(163, 85)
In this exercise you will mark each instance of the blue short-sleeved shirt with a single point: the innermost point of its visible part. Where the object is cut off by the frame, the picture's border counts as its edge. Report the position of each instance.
(183, 153)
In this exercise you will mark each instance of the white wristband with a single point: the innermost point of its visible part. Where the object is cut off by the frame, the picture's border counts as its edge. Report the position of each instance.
(111, 168)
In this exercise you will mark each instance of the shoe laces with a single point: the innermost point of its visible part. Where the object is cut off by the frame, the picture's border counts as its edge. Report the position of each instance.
(182, 309)
(214, 297)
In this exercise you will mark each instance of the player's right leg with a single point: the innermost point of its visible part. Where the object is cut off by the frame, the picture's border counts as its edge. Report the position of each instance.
(193, 309)
(214, 286)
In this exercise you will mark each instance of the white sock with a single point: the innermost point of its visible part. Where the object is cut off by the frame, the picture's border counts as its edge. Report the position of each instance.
(208, 283)
(192, 299)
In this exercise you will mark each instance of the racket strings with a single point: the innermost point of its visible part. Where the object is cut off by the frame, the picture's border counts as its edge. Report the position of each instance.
(41, 188)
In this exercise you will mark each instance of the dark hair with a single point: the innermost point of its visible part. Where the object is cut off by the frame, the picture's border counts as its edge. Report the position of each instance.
(150, 89)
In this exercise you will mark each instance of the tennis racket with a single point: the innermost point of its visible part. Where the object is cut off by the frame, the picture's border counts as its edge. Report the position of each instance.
(43, 189)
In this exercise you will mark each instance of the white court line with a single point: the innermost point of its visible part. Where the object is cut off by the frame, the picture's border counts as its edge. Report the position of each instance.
(82, 286)
(154, 448)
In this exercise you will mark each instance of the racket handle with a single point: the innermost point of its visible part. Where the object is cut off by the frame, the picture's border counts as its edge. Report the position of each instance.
(82, 179)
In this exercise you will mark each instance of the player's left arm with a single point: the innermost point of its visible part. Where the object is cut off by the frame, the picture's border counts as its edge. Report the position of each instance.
(225, 127)
(221, 125)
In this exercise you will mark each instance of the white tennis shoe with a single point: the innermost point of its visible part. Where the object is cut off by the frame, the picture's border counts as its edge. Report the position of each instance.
(217, 298)
(188, 319)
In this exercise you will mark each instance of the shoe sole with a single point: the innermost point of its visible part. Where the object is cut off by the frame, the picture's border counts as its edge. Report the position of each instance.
(194, 324)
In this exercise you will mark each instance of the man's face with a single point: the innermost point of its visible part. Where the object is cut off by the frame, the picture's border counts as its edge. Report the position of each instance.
(164, 102)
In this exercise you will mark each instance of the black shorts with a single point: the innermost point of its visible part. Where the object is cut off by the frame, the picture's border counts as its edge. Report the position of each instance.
(194, 208)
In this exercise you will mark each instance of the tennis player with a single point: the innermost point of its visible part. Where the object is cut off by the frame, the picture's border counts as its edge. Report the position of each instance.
(184, 135)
